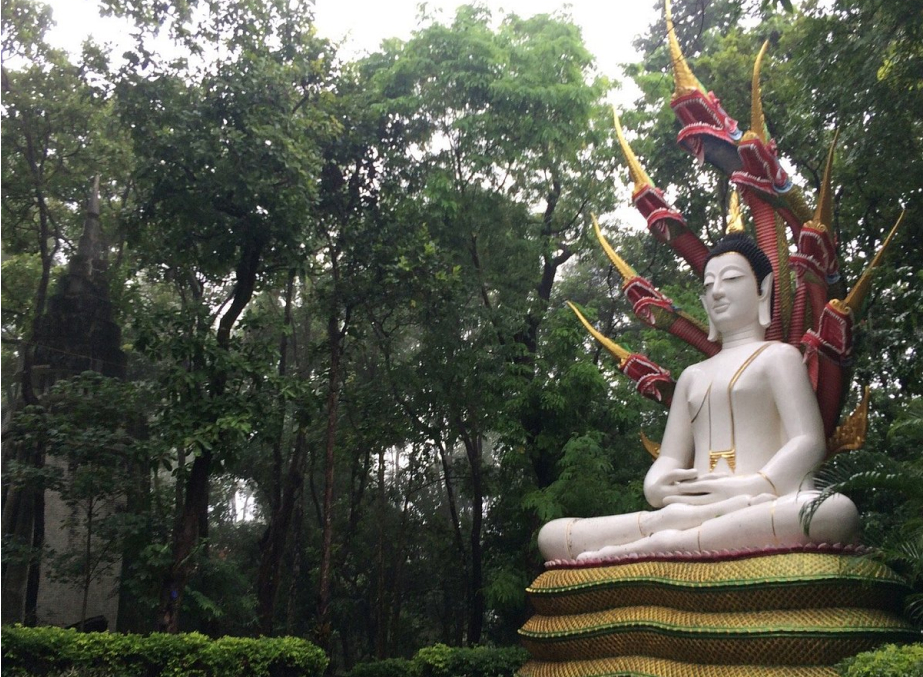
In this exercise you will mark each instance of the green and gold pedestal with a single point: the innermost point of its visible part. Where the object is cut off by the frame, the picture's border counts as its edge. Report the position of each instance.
(791, 613)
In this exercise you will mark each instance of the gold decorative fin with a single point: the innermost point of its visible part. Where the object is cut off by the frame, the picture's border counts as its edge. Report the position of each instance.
(626, 271)
(824, 212)
(840, 306)
(635, 170)
(757, 118)
(683, 76)
(617, 351)
(652, 447)
(851, 434)
(735, 218)
(856, 297)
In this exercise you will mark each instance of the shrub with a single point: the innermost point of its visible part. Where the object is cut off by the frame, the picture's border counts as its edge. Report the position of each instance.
(445, 661)
(479, 661)
(46, 651)
(389, 667)
(888, 661)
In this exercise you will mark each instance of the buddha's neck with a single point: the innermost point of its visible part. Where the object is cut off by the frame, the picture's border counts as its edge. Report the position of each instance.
(742, 337)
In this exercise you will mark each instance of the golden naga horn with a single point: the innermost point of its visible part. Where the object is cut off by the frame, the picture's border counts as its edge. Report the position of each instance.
(617, 351)
(757, 118)
(652, 447)
(856, 297)
(850, 435)
(685, 79)
(626, 271)
(635, 170)
(735, 217)
(823, 215)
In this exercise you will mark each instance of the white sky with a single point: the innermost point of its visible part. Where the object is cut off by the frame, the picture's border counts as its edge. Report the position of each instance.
(608, 27)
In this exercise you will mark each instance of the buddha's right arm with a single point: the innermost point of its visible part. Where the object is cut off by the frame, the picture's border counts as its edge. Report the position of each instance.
(674, 464)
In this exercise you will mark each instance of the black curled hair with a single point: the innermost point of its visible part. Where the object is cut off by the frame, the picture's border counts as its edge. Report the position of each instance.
(743, 244)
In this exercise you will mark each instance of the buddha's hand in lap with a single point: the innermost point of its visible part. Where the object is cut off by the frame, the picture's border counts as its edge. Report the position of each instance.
(714, 488)
(668, 484)
(679, 516)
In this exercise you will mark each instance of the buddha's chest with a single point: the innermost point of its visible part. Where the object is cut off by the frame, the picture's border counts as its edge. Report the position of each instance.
(730, 403)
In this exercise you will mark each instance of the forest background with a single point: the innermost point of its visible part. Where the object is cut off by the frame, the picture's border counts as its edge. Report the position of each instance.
(352, 390)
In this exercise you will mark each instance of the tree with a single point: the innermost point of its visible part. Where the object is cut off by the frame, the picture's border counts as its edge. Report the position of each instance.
(227, 168)
(506, 121)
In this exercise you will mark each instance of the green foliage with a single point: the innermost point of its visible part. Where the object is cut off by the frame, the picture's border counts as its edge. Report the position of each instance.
(479, 661)
(445, 661)
(87, 428)
(37, 652)
(890, 493)
(388, 667)
(888, 661)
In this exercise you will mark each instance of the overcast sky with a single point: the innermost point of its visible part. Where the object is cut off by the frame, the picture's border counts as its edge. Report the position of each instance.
(608, 27)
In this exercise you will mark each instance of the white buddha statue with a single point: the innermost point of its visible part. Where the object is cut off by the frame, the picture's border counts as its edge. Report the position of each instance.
(743, 437)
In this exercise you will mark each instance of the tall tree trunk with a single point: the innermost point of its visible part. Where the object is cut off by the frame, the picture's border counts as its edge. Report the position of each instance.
(275, 538)
(193, 521)
(400, 558)
(334, 338)
(453, 504)
(87, 569)
(285, 495)
(381, 634)
(474, 449)
(297, 530)
(185, 538)
(38, 541)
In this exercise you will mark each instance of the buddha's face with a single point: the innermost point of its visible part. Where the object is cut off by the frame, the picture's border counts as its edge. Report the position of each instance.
(732, 297)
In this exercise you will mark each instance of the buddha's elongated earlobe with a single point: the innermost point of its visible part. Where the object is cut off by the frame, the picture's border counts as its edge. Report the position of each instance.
(713, 334)
(765, 306)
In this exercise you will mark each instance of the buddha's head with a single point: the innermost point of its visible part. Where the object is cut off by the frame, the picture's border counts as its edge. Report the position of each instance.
(738, 287)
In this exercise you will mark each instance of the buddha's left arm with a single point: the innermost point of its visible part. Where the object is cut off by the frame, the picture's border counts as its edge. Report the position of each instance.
(802, 426)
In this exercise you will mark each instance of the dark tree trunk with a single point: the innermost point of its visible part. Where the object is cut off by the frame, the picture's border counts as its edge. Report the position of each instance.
(334, 336)
(285, 495)
(275, 538)
(297, 526)
(381, 605)
(543, 466)
(397, 584)
(35, 562)
(473, 447)
(453, 504)
(193, 520)
(185, 538)
(88, 569)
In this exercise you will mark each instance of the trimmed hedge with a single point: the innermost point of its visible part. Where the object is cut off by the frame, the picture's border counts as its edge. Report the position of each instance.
(48, 651)
(444, 661)
(888, 661)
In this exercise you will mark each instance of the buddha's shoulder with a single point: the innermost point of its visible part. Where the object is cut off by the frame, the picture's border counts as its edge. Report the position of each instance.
(767, 356)
(776, 357)
(777, 350)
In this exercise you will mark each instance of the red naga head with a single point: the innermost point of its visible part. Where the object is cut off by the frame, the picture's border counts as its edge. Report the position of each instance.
(708, 132)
